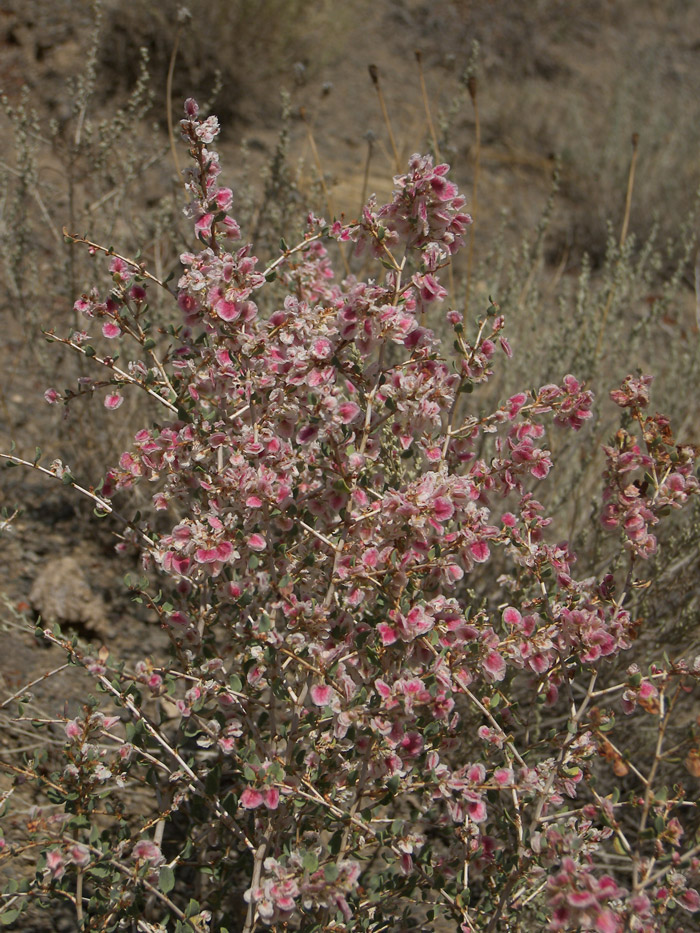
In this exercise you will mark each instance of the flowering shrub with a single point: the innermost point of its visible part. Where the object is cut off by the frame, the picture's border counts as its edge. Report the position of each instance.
(350, 735)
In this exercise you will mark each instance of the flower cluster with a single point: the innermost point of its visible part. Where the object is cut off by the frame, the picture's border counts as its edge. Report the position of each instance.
(360, 587)
(644, 482)
(297, 882)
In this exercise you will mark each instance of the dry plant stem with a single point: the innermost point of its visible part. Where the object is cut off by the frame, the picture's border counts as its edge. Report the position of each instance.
(149, 887)
(295, 657)
(138, 715)
(624, 841)
(426, 105)
(576, 717)
(363, 444)
(319, 171)
(139, 267)
(366, 827)
(451, 432)
(106, 362)
(697, 290)
(317, 162)
(260, 852)
(355, 806)
(33, 683)
(451, 419)
(662, 872)
(26, 774)
(96, 205)
(575, 720)
(664, 712)
(169, 105)
(533, 894)
(365, 183)
(489, 715)
(103, 504)
(623, 237)
(290, 252)
(637, 773)
(630, 188)
(374, 75)
(37, 197)
(294, 725)
(79, 898)
(319, 536)
(473, 88)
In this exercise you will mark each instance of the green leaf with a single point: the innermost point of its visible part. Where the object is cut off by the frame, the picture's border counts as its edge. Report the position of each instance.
(248, 773)
(331, 872)
(310, 862)
(211, 783)
(192, 908)
(8, 917)
(230, 803)
(166, 879)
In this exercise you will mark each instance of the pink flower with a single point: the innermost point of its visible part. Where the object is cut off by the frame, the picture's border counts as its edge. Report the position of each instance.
(113, 401)
(477, 810)
(79, 854)
(251, 798)
(55, 863)
(690, 899)
(443, 509)
(494, 666)
(480, 551)
(208, 130)
(224, 551)
(511, 616)
(148, 851)
(256, 542)
(224, 199)
(228, 310)
(73, 729)
(387, 633)
(120, 269)
(322, 694)
(348, 411)
(607, 922)
(110, 329)
(202, 227)
(503, 776)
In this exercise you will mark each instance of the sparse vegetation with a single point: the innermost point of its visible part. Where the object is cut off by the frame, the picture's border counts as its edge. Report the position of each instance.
(396, 579)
